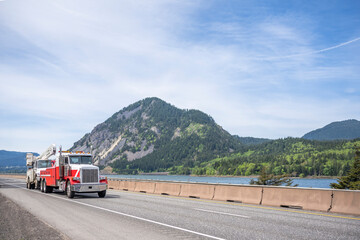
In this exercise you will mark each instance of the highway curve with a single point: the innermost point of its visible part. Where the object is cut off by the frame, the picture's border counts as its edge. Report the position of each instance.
(129, 215)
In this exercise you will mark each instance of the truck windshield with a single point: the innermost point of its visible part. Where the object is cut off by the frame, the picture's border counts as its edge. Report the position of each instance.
(44, 163)
(80, 160)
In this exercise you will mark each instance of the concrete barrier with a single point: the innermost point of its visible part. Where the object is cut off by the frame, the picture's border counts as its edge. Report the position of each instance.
(309, 199)
(113, 184)
(163, 188)
(127, 185)
(18, 176)
(146, 187)
(347, 202)
(204, 191)
(337, 201)
(243, 194)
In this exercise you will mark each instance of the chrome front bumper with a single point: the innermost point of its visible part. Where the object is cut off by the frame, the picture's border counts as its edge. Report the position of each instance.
(89, 187)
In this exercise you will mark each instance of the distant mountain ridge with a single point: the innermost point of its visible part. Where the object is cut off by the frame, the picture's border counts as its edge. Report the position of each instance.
(11, 161)
(343, 130)
(13, 158)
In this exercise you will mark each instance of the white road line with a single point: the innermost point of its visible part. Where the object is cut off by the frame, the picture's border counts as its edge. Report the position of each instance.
(123, 214)
(230, 214)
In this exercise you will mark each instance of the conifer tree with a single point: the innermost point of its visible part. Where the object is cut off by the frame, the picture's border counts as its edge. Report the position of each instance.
(271, 179)
(352, 179)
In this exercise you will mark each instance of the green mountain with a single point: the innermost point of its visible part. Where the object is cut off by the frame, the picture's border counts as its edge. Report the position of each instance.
(152, 135)
(348, 129)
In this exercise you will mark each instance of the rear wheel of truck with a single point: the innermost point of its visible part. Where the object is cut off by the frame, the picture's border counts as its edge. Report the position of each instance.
(42, 186)
(102, 194)
(47, 189)
(69, 193)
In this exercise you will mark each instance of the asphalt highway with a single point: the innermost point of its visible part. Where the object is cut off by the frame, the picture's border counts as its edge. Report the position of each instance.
(129, 215)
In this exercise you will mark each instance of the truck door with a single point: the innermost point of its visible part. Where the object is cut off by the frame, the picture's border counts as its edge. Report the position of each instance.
(66, 167)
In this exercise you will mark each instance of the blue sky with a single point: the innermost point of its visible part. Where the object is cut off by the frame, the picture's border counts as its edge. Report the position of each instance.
(259, 68)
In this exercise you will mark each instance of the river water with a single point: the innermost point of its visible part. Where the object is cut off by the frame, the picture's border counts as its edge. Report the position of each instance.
(302, 182)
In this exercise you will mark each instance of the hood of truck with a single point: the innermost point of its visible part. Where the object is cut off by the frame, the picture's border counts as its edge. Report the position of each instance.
(78, 167)
(87, 166)
(37, 171)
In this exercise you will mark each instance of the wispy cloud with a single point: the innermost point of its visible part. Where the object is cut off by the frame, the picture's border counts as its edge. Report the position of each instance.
(76, 63)
(312, 52)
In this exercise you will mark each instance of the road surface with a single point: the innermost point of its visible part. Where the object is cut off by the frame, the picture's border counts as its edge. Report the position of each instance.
(130, 215)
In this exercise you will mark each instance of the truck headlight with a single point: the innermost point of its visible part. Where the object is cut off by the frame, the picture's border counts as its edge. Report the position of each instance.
(103, 178)
(76, 179)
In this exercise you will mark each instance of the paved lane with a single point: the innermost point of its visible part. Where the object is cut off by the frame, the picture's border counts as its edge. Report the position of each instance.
(128, 215)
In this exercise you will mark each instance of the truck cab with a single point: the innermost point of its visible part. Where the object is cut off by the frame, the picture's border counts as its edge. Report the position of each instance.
(82, 176)
(34, 166)
(38, 166)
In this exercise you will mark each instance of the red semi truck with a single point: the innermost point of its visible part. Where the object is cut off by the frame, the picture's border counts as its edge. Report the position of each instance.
(73, 172)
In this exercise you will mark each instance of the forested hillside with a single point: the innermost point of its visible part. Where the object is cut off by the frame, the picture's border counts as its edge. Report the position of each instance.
(294, 156)
(154, 136)
(251, 140)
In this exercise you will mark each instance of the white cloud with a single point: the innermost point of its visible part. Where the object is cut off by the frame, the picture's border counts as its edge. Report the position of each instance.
(84, 61)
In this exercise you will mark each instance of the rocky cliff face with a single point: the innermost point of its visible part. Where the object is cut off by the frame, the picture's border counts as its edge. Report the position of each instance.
(118, 137)
(151, 125)
(146, 126)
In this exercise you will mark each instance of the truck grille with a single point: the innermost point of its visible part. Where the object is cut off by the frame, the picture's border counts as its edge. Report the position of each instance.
(90, 175)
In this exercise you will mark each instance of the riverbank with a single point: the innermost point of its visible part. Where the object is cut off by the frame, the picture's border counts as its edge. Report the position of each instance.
(302, 182)
(256, 176)
(217, 176)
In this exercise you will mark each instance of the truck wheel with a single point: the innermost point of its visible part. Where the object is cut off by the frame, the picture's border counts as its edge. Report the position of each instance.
(37, 184)
(47, 189)
(27, 184)
(102, 194)
(32, 186)
(69, 193)
(42, 186)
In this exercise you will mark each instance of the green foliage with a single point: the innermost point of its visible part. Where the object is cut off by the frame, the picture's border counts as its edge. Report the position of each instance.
(352, 179)
(251, 140)
(292, 156)
(271, 179)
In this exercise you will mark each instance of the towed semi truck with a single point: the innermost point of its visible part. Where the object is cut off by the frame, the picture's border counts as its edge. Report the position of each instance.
(72, 172)
(36, 164)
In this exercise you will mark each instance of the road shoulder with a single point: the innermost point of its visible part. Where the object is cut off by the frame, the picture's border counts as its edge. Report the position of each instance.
(17, 223)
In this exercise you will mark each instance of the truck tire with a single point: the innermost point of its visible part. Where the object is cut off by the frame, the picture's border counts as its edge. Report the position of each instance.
(37, 186)
(69, 193)
(47, 189)
(102, 194)
(27, 184)
(42, 186)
